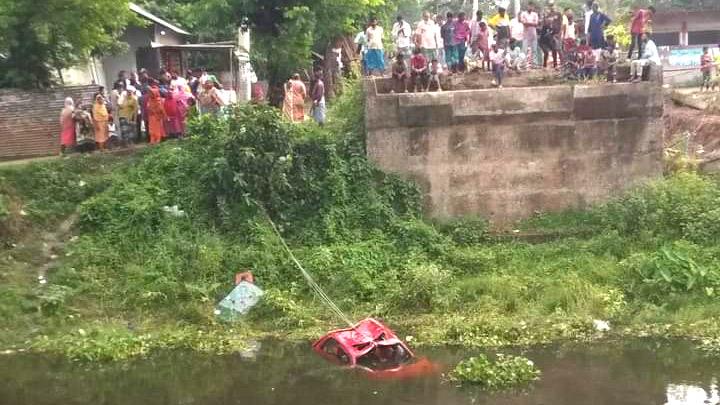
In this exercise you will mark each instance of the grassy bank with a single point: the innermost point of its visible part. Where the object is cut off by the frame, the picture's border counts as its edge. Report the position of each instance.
(158, 237)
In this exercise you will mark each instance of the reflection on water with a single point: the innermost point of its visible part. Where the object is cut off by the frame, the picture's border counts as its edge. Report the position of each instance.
(681, 394)
(618, 374)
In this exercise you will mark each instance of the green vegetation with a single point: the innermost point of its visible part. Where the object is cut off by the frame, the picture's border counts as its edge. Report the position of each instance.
(138, 277)
(501, 373)
(38, 42)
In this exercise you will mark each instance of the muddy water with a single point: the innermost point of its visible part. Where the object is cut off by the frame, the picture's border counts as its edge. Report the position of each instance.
(617, 374)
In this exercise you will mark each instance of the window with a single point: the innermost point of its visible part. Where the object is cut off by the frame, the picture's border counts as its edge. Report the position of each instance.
(333, 349)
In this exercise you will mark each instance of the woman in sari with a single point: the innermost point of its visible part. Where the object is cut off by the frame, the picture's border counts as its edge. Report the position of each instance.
(67, 135)
(294, 103)
(182, 95)
(172, 123)
(156, 116)
(100, 121)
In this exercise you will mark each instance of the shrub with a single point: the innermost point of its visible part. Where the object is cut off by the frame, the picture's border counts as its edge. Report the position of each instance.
(685, 206)
(678, 268)
(465, 231)
(502, 373)
(424, 286)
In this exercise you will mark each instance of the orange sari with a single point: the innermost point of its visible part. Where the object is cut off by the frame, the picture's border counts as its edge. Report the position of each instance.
(156, 116)
(294, 104)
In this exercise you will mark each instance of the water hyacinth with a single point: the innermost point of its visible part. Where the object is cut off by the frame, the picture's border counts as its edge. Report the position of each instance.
(502, 373)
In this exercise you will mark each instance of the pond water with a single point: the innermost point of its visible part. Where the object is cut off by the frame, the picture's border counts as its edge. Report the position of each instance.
(638, 372)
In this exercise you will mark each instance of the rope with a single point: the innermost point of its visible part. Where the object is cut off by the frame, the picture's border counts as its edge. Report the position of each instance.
(311, 281)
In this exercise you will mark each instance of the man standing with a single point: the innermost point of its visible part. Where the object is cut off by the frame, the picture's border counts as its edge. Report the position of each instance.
(448, 35)
(553, 19)
(649, 58)
(375, 56)
(462, 37)
(401, 33)
(425, 34)
(598, 22)
(475, 30)
(318, 99)
(500, 22)
(638, 27)
(530, 20)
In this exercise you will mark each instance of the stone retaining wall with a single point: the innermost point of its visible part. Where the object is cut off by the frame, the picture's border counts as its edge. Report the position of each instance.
(510, 153)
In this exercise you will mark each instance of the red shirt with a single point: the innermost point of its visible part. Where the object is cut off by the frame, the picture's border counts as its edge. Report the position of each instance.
(639, 21)
(418, 61)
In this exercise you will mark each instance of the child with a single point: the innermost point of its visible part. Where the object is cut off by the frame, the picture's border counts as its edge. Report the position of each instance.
(497, 57)
(399, 74)
(418, 70)
(608, 59)
(483, 44)
(589, 64)
(706, 65)
(434, 75)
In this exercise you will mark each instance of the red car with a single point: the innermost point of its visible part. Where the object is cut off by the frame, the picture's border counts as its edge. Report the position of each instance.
(369, 344)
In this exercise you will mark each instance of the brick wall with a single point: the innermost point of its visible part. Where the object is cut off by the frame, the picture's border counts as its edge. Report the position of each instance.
(30, 119)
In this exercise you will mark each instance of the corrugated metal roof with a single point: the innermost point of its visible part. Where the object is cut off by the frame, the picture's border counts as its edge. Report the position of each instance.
(152, 17)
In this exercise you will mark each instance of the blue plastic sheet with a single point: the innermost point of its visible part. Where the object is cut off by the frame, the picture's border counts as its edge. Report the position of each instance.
(243, 297)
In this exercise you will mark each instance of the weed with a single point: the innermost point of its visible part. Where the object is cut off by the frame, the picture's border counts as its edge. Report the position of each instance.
(502, 372)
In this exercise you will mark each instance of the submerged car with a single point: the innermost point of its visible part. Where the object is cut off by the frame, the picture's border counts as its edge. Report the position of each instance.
(373, 347)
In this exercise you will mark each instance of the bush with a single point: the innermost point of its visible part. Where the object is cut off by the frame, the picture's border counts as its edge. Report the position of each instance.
(465, 231)
(685, 206)
(503, 373)
(424, 286)
(678, 268)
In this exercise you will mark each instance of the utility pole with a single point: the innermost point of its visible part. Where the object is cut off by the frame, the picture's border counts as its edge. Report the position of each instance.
(244, 91)
(476, 7)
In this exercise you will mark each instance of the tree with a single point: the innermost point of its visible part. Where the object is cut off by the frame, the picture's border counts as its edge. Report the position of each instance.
(39, 39)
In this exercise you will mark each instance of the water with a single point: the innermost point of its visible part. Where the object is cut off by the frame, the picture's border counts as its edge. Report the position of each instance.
(618, 374)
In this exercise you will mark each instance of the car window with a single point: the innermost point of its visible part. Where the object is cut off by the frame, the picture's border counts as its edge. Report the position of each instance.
(332, 347)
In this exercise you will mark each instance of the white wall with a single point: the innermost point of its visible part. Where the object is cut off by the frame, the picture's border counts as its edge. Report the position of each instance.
(135, 37)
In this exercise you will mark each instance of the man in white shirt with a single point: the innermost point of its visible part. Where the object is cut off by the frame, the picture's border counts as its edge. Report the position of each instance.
(650, 57)
(402, 35)
(530, 20)
(375, 55)
(361, 42)
(475, 29)
(425, 33)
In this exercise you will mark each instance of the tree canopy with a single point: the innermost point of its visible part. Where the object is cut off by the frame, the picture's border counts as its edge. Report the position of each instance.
(38, 39)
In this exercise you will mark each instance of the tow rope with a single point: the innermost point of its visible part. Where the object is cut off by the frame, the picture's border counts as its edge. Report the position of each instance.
(310, 280)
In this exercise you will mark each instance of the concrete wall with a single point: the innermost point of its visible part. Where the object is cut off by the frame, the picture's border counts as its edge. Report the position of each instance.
(507, 154)
(30, 120)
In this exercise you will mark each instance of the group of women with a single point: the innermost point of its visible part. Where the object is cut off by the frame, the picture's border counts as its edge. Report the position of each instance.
(139, 106)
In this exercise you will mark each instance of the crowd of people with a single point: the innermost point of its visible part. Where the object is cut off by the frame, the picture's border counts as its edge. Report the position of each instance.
(296, 95)
(537, 35)
(140, 108)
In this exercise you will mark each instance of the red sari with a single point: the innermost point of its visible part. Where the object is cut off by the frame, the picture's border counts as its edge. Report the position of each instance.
(67, 136)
